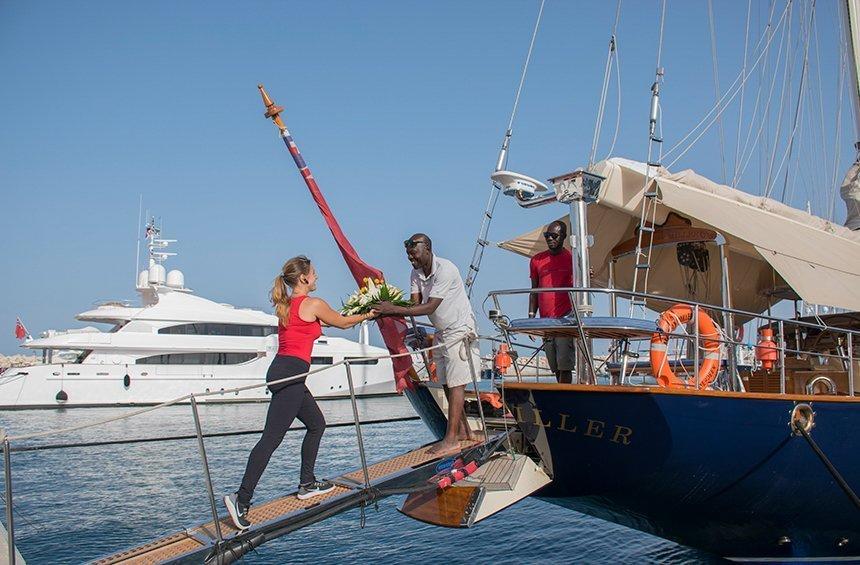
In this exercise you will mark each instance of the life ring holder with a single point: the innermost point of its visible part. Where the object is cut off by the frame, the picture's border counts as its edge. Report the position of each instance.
(709, 334)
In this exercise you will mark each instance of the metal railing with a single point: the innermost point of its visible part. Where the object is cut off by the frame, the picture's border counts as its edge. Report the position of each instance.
(844, 335)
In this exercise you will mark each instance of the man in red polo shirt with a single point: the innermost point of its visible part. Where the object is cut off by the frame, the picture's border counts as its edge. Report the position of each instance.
(548, 269)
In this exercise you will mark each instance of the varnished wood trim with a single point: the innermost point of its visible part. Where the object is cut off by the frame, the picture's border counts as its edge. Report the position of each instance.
(660, 390)
(448, 508)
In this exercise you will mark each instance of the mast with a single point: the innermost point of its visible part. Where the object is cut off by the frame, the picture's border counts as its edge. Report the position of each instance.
(850, 190)
(850, 13)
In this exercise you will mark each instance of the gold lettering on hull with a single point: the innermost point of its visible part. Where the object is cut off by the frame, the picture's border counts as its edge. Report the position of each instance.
(562, 425)
(595, 428)
(588, 427)
(622, 435)
(539, 421)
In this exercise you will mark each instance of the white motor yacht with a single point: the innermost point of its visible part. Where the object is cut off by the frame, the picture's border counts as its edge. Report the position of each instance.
(174, 344)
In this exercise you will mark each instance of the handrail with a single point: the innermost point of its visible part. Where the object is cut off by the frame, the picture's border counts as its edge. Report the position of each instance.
(664, 298)
(838, 333)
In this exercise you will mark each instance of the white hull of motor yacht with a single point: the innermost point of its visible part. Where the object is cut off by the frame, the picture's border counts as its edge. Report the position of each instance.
(88, 385)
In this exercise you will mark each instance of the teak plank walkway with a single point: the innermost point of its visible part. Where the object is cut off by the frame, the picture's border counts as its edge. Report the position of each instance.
(280, 513)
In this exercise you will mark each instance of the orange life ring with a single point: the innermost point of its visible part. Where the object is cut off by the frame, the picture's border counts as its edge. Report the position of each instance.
(709, 333)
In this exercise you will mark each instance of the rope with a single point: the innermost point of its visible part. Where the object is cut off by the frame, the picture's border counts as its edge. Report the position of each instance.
(219, 392)
(31, 448)
(846, 488)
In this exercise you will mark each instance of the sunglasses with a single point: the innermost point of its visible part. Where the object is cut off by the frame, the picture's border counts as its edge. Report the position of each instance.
(551, 235)
(410, 243)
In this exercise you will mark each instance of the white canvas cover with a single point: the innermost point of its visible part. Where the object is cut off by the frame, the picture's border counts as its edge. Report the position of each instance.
(770, 244)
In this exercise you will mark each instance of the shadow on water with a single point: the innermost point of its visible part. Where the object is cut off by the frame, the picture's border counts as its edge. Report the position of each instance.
(75, 505)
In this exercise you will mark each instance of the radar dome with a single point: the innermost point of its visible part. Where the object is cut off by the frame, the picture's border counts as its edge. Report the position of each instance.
(156, 274)
(175, 279)
(143, 279)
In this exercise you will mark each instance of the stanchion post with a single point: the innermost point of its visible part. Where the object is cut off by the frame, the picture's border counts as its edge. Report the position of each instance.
(850, 363)
(696, 345)
(357, 425)
(468, 343)
(10, 523)
(208, 478)
(781, 357)
(421, 346)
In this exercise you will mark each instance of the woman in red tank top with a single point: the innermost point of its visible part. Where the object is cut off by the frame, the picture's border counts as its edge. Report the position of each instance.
(300, 317)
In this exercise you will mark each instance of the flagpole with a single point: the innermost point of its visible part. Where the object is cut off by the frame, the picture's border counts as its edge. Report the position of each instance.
(392, 329)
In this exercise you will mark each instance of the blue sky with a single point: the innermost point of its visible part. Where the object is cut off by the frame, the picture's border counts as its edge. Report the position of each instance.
(398, 108)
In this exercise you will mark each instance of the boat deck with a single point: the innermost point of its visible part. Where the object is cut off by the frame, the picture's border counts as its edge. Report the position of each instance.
(285, 514)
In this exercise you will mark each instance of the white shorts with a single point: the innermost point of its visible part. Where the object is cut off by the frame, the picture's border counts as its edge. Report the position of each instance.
(452, 360)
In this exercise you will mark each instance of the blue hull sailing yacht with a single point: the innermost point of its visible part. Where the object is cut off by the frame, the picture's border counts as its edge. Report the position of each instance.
(676, 424)
(723, 467)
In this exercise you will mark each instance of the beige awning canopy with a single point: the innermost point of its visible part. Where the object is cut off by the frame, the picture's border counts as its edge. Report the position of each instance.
(770, 245)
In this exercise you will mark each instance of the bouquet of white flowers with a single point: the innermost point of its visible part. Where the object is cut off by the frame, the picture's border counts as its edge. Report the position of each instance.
(373, 292)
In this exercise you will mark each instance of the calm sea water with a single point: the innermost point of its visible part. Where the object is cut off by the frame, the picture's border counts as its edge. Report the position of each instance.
(74, 505)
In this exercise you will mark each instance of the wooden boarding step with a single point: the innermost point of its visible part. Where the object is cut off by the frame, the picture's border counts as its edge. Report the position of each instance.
(500, 482)
(282, 515)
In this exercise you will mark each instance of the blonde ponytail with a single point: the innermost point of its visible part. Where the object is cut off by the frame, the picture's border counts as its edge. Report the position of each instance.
(281, 295)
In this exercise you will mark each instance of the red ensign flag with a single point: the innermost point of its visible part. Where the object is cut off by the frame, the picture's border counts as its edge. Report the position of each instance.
(20, 330)
(392, 329)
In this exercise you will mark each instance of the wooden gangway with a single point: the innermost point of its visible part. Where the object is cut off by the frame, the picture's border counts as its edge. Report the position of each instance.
(199, 544)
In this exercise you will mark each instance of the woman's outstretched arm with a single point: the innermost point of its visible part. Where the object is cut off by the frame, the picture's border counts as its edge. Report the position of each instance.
(320, 309)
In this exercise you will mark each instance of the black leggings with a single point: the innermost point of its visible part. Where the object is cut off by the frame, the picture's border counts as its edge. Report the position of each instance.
(289, 401)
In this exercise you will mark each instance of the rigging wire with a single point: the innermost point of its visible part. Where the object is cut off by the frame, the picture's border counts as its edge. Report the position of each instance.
(716, 73)
(729, 94)
(649, 207)
(785, 82)
(726, 99)
(800, 97)
(743, 92)
(764, 119)
(618, 102)
(501, 163)
(607, 72)
(822, 145)
(526, 66)
(838, 140)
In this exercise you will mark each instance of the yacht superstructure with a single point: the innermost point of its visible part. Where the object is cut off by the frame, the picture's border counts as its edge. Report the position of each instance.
(174, 344)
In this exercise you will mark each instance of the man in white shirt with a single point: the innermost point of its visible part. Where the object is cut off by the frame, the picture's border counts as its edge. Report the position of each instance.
(438, 292)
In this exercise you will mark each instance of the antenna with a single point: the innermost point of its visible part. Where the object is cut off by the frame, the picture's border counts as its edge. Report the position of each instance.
(138, 229)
